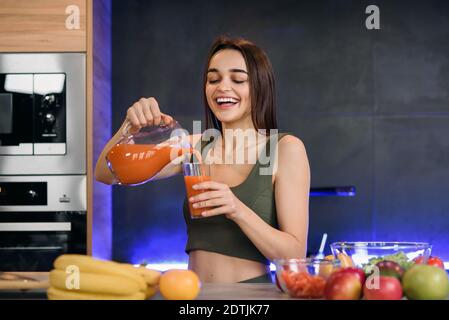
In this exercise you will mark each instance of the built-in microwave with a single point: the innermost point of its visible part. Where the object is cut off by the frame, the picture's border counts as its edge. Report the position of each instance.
(43, 108)
(43, 187)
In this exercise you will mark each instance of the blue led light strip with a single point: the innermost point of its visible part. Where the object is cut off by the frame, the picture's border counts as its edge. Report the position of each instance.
(174, 265)
(181, 265)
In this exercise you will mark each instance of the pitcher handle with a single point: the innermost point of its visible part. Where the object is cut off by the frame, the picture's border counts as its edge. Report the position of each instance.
(128, 125)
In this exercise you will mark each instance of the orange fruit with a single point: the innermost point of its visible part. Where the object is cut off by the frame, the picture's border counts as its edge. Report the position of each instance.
(179, 285)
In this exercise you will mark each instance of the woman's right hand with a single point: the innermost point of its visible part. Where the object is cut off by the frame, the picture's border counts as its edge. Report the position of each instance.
(145, 112)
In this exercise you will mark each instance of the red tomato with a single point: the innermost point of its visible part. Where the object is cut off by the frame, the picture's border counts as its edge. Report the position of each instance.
(435, 261)
(303, 285)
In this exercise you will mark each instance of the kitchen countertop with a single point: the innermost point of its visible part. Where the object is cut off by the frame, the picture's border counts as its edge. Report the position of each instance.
(240, 291)
(209, 291)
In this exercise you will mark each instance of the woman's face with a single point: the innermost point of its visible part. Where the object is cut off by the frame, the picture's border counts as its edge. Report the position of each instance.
(227, 86)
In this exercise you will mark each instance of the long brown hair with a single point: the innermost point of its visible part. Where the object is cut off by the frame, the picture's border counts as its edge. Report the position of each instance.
(261, 83)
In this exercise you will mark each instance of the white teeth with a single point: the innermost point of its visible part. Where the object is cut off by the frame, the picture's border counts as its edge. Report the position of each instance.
(224, 100)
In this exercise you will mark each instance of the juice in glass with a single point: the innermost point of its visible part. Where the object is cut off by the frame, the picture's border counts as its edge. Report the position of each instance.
(195, 173)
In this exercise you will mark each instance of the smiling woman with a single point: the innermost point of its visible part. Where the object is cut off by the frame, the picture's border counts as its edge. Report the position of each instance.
(256, 211)
(239, 66)
(227, 88)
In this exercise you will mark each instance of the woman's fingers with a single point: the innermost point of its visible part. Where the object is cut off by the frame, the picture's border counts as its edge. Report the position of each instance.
(220, 200)
(211, 203)
(147, 111)
(166, 118)
(206, 195)
(155, 111)
(131, 115)
(209, 185)
(138, 109)
(226, 209)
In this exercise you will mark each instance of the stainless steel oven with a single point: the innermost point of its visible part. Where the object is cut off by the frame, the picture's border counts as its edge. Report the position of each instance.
(43, 189)
(41, 218)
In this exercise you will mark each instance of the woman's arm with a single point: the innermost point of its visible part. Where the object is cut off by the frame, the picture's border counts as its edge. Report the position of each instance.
(292, 184)
(292, 187)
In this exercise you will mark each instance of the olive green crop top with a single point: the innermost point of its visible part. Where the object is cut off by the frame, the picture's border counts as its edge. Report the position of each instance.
(224, 236)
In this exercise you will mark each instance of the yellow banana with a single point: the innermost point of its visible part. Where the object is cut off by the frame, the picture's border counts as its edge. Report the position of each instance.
(151, 291)
(91, 265)
(57, 294)
(151, 276)
(345, 260)
(329, 257)
(95, 283)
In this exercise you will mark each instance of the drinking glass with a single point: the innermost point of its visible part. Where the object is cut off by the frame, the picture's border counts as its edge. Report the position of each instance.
(195, 173)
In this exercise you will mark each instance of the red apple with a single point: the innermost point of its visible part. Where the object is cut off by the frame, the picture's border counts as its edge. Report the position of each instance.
(389, 289)
(356, 271)
(343, 286)
(390, 268)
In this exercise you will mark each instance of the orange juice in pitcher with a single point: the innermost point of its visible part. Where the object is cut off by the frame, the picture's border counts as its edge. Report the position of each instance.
(138, 157)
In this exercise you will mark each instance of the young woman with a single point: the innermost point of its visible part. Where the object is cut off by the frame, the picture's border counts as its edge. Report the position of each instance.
(252, 217)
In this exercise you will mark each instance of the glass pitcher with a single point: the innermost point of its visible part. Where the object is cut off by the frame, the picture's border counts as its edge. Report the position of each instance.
(138, 157)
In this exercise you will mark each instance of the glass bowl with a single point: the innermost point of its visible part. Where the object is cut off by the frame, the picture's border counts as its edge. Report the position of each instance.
(304, 278)
(366, 254)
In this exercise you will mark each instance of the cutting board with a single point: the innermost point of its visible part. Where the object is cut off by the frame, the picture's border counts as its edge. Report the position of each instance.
(23, 280)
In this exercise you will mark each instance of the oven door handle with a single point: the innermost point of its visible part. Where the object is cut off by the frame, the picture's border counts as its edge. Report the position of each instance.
(34, 226)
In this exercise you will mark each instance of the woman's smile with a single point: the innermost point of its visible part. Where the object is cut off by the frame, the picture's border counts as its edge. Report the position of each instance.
(226, 102)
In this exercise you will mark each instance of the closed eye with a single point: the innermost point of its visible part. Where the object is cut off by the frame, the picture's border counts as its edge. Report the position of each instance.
(213, 81)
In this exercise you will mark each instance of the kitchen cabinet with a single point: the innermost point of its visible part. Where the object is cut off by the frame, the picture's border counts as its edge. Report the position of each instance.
(43, 25)
(66, 26)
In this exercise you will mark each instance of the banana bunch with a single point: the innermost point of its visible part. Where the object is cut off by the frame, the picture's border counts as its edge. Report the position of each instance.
(81, 277)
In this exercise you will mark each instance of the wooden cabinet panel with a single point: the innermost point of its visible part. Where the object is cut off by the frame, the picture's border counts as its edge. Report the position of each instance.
(40, 26)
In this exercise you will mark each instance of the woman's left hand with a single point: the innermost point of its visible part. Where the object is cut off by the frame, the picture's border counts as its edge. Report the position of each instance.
(219, 199)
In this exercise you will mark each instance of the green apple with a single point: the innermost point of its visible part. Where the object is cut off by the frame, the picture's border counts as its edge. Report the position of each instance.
(425, 282)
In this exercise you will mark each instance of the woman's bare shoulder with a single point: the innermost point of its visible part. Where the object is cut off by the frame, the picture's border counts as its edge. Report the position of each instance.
(292, 156)
(291, 145)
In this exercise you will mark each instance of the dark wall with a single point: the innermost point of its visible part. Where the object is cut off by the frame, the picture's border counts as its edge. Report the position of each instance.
(372, 107)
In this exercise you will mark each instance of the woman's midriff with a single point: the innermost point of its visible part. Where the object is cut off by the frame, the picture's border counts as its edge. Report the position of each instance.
(216, 267)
